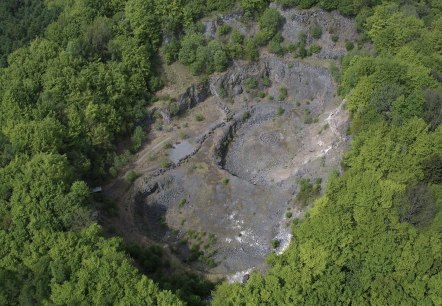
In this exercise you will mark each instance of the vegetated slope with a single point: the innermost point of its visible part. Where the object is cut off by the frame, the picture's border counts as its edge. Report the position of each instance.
(375, 236)
(65, 98)
(20, 22)
(68, 95)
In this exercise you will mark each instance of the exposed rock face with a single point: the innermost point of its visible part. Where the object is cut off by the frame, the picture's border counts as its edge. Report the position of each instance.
(231, 82)
(240, 174)
(331, 23)
(193, 95)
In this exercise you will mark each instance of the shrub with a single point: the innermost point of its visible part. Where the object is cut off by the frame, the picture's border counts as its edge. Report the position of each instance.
(288, 215)
(349, 45)
(236, 37)
(250, 83)
(266, 81)
(271, 21)
(245, 116)
(251, 49)
(199, 117)
(182, 202)
(282, 93)
(335, 38)
(316, 32)
(280, 111)
(137, 139)
(225, 181)
(276, 47)
(224, 29)
(165, 163)
(302, 37)
(171, 51)
(131, 176)
(173, 108)
(315, 49)
(276, 243)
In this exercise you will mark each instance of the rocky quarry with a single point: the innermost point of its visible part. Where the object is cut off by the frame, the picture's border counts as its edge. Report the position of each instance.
(226, 196)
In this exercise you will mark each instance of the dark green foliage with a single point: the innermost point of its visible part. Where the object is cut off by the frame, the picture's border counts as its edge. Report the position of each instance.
(171, 51)
(433, 107)
(349, 45)
(20, 22)
(417, 206)
(287, 3)
(275, 243)
(137, 138)
(432, 168)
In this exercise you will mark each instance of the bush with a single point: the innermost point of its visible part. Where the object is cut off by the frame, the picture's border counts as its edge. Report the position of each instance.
(171, 51)
(251, 50)
(199, 117)
(315, 49)
(276, 243)
(131, 176)
(236, 37)
(245, 116)
(225, 181)
(271, 21)
(280, 111)
(349, 45)
(137, 139)
(165, 163)
(288, 215)
(182, 202)
(254, 6)
(287, 3)
(302, 37)
(220, 60)
(224, 29)
(275, 45)
(316, 32)
(335, 38)
(266, 81)
(283, 94)
(250, 83)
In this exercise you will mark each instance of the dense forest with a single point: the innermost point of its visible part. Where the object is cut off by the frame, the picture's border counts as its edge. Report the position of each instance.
(76, 77)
